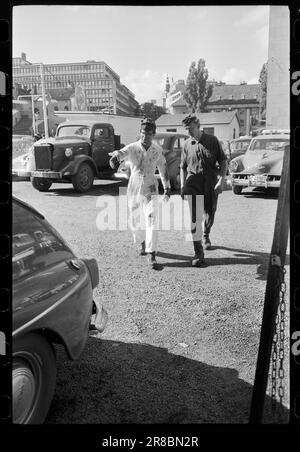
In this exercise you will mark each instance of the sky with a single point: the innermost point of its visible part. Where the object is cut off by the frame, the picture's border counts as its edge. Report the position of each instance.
(143, 44)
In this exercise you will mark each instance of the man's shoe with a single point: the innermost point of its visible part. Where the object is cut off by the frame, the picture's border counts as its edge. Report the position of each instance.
(206, 243)
(198, 259)
(142, 251)
(152, 260)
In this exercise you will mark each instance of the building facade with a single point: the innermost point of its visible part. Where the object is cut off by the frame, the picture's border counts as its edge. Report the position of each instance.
(102, 86)
(243, 98)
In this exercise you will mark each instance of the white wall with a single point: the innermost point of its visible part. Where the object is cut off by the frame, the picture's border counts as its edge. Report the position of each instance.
(221, 131)
(278, 93)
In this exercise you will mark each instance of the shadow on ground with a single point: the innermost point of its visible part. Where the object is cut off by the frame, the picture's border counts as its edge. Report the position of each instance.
(109, 188)
(127, 383)
(240, 257)
(260, 192)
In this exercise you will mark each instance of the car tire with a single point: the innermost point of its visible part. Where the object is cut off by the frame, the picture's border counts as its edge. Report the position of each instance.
(84, 178)
(237, 189)
(41, 184)
(34, 377)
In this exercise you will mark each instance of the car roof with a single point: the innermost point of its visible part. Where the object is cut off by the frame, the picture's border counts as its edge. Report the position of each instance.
(170, 134)
(83, 123)
(272, 136)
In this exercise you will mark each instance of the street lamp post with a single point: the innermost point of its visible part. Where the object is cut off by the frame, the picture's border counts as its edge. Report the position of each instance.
(44, 102)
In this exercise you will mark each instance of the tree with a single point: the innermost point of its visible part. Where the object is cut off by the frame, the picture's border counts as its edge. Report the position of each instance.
(263, 77)
(197, 91)
(150, 110)
(22, 90)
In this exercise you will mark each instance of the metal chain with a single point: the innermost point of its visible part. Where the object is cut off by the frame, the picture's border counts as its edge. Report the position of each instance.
(277, 369)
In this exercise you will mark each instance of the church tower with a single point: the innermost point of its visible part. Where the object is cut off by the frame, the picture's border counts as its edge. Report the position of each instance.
(167, 86)
(166, 93)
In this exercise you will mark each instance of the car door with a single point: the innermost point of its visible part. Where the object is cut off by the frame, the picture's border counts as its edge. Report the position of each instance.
(102, 143)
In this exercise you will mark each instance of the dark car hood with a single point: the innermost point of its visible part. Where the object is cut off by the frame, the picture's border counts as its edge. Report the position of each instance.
(63, 140)
(263, 162)
(72, 139)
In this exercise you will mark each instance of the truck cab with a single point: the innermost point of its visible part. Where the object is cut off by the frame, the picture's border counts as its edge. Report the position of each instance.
(78, 153)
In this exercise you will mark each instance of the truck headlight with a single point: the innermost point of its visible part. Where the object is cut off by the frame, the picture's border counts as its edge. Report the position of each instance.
(68, 152)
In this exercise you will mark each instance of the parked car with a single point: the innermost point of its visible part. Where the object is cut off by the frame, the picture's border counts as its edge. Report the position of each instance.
(239, 146)
(172, 144)
(21, 144)
(77, 154)
(19, 165)
(52, 303)
(261, 165)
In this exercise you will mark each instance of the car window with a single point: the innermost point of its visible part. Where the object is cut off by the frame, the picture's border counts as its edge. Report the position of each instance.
(35, 244)
(68, 131)
(268, 145)
(242, 145)
(101, 132)
(159, 141)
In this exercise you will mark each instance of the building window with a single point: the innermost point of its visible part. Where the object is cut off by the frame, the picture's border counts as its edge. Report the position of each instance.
(171, 130)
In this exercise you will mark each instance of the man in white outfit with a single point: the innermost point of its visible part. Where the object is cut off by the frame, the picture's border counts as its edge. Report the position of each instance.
(144, 157)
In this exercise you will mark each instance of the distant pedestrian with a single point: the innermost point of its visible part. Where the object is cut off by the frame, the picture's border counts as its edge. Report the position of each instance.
(203, 180)
(144, 157)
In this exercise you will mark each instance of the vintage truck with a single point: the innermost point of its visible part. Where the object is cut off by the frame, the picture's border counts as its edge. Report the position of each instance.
(78, 153)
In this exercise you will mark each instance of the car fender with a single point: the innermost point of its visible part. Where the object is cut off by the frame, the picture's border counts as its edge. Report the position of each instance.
(72, 168)
(52, 315)
(238, 163)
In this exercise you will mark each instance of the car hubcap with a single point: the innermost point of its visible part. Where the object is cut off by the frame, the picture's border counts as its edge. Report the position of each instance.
(24, 388)
(84, 177)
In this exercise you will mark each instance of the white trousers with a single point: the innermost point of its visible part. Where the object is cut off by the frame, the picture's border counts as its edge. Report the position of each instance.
(196, 207)
(143, 222)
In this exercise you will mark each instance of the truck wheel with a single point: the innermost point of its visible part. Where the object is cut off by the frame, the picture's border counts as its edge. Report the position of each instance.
(41, 184)
(237, 189)
(84, 178)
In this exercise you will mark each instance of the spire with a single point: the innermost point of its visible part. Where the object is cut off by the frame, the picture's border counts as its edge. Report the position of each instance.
(167, 84)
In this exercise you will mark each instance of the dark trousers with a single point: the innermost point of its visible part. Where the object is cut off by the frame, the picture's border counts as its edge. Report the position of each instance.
(210, 207)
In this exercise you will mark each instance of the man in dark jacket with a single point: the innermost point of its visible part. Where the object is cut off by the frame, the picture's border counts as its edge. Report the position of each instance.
(202, 181)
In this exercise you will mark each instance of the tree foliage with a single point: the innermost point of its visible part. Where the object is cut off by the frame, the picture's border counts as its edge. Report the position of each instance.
(198, 91)
(22, 90)
(150, 110)
(263, 77)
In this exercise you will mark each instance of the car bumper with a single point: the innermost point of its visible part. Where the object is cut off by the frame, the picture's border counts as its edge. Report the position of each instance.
(21, 173)
(47, 174)
(255, 180)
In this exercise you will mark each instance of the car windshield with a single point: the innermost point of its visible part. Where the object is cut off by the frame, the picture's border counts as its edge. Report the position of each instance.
(274, 144)
(67, 131)
(241, 145)
(159, 141)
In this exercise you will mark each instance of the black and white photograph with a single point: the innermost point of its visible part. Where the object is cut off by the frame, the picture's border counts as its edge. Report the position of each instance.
(150, 228)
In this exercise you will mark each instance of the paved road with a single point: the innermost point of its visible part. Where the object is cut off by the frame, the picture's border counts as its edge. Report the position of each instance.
(181, 343)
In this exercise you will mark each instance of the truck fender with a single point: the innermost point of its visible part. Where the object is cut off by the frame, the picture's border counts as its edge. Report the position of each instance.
(74, 165)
